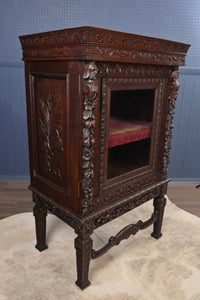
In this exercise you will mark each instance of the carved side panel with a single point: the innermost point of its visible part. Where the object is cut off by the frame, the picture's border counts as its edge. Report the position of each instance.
(173, 93)
(49, 96)
(90, 91)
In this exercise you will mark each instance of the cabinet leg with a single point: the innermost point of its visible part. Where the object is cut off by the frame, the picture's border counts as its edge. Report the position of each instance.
(40, 214)
(83, 255)
(159, 205)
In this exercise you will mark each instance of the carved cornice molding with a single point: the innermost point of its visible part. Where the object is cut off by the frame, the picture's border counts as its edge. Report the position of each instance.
(101, 36)
(90, 90)
(90, 41)
(101, 53)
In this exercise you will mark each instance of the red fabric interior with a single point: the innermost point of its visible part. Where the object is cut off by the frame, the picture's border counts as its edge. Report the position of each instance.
(124, 132)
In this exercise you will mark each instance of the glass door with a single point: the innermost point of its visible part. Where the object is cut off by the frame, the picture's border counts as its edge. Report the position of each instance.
(130, 130)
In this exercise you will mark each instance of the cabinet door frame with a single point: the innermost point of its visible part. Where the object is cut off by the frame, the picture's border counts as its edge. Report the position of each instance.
(149, 172)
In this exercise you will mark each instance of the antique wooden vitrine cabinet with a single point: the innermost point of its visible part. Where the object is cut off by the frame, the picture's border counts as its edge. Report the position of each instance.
(100, 105)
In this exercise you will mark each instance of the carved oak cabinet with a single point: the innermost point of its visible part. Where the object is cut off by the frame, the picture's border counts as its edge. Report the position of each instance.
(100, 106)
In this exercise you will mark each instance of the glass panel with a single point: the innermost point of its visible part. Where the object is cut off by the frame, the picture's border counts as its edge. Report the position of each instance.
(130, 124)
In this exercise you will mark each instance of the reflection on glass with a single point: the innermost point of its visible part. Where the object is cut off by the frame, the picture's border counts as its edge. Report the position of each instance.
(130, 124)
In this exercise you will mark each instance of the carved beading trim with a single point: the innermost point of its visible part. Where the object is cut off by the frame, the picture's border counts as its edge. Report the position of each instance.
(173, 93)
(118, 69)
(90, 90)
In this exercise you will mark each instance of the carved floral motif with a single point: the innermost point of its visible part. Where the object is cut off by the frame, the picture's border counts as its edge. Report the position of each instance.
(51, 129)
(173, 93)
(90, 91)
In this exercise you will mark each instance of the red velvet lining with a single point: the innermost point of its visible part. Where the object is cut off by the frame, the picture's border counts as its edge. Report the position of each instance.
(124, 132)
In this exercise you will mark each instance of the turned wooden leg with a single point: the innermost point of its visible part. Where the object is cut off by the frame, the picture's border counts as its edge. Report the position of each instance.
(40, 214)
(83, 255)
(159, 205)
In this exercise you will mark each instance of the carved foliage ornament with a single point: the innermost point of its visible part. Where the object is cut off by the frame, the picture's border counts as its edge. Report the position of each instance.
(90, 91)
(108, 52)
(115, 211)
(51, 129)
(173, 93)
(100, 36)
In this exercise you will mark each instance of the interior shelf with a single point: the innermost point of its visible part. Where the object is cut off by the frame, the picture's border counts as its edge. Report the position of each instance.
(123, 132)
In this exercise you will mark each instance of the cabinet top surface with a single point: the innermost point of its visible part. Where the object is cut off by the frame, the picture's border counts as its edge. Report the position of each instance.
(91, 43)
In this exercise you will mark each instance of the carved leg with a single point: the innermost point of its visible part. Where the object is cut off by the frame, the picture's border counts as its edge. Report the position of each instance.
(159, 205)
(40, 214)
(83, 255)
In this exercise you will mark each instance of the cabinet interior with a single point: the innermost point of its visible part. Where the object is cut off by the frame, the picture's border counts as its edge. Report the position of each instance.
(129, 133)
